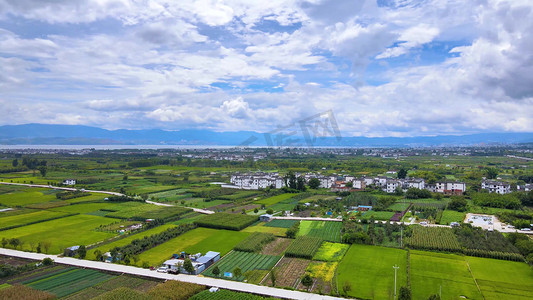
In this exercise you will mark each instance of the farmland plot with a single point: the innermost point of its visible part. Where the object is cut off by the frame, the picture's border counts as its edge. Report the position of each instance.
(69, 282)
(499, 279)
(246, 261)
(30, 218)
(303, 247)
(433, 238)
(369, 271)
(331, 252)
(430, 271)
(288, 272)
(326, 230)
(281, 223)
(226, 221)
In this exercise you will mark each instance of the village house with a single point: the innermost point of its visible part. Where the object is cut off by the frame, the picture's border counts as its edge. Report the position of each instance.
(496, 186)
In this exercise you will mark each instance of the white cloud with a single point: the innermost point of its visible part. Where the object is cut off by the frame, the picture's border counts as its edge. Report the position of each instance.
(227, 65)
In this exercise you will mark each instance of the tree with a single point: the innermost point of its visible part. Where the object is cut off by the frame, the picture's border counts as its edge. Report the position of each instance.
(269, 211)
(47, 261)
(314, 183)
(98, 255)
(43, 170)
(187, 265)
(256, 210)
(349, 184)
(491, 173)
(398, 191)
(15, 163)
(434, 297)
(82, 251)
(14, 242)
(457, 204)
(4, 242)
(32, 245)
(300, 184)
(273, 277)
(404, 294)
(402, 173)
(237, 272)
(346, 287)
(125, 177)
(216, 271)
(307, 281)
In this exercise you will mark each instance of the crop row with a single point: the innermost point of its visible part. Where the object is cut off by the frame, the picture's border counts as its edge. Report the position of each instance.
(226, 221)
(304, 247)
(326, 230)
(225, 294)
(433, 238)
(70, 282)
(254, 242)
(246, 261)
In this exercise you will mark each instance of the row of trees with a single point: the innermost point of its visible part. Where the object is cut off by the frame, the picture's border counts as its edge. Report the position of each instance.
(16, 243)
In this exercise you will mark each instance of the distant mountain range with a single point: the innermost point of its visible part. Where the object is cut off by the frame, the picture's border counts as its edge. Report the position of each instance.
(43, 134)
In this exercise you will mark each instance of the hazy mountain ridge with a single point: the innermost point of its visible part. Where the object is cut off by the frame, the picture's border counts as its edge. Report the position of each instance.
(45, 134)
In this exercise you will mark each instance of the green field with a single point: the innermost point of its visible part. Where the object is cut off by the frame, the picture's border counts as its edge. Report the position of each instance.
(281, 223)
(326, 230)
(83, 208)
(194, 241)
(61, 233)
(69, 282)
(449, 216)
(378, 215)
(247, 261)
(430, 271)
(28, 196)
(331, 252)
(33, 217)
(369, 271)
(500, 279)
(262, 227)
(399, 206)
(275, 199)
(127, 240)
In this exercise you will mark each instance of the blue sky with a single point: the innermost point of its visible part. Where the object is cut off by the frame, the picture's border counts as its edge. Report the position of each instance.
(385, 68)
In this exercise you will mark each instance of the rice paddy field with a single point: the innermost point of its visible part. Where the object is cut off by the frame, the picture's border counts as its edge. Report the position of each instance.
(124, 241)
(326, 230)
(199, 240)
(275, 199)
(29, 218)
(432, 271)
(368, 269)
(26, 197)
(500, 279)
(61, 233)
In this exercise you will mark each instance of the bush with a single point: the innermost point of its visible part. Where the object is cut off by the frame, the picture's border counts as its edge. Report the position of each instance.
(457, 204)
(47, 261)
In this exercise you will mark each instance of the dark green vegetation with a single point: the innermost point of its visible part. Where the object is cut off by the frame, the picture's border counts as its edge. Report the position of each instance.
(226, 221)
(254, 242)
(303, 247)
(245, 261)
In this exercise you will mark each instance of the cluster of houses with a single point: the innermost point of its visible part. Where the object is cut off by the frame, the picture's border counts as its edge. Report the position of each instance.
(255, 181)
(262, 180)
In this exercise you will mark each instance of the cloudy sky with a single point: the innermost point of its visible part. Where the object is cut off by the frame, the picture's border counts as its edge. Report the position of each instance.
(385, 67)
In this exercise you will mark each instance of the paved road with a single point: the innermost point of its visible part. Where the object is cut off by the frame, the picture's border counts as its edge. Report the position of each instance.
(225, 284)
(198, 210)
(62, 188)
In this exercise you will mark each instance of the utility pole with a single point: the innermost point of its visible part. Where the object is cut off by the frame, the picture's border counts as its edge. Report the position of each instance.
(395, 270)
(440, 292)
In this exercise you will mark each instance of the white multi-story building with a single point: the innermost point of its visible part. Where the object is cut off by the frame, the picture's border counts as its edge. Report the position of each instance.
(255, 181)
(418, 183)
(525, 187)
(359, 184)
(391, 185)
(448, 187)
(496, 186)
